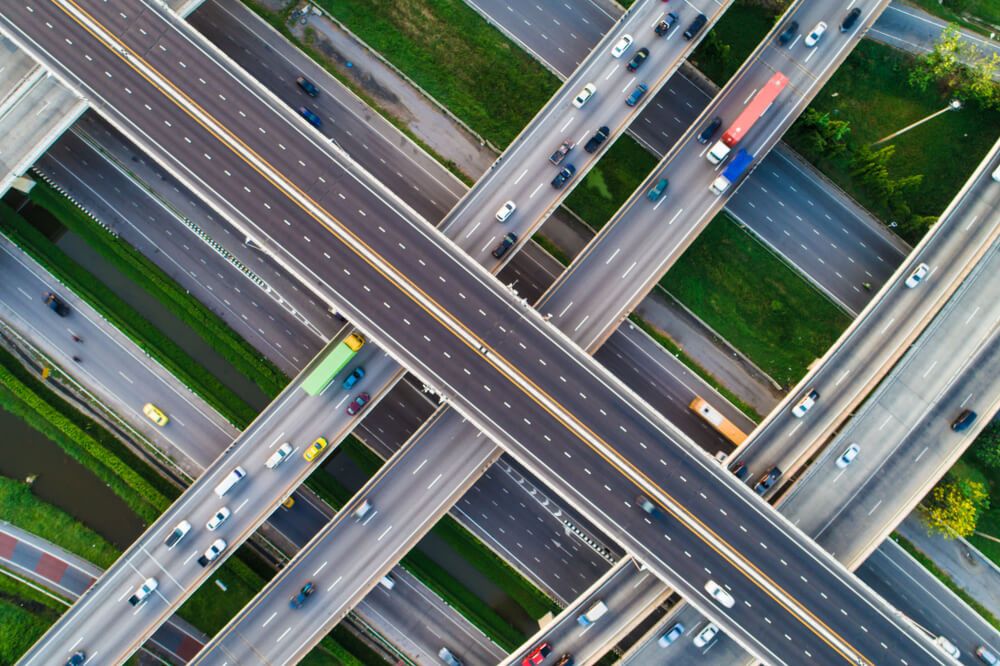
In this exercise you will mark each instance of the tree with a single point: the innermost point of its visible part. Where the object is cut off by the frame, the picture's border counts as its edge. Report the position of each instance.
(986, 448)
(960, 68)
(953, 507)
(824, 133)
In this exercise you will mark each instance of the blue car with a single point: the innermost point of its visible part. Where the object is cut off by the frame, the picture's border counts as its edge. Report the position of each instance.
(637, 94)
(309, 115)
(354, 378)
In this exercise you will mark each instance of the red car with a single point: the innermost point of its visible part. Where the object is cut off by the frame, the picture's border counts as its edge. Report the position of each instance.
(537, 655)
(358, 404)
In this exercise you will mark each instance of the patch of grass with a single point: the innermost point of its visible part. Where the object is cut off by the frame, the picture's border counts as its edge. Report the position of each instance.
(754, 300)
(132, 263)
(928, 564)
(735, 35)
(83, 440)
(143, 333)
(20, 507)
(981, 16)
(671, 346)
(610, 182)
(458, 58)
(871, 92)
(209, 608)
(553, 249)
(25, 615)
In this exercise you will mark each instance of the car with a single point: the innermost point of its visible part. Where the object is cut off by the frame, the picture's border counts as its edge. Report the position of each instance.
(279, 456)
(77, 658)
(767, 481)
(310, 116)
(696, 25)
(304, 593)
(646, 505)
(788, 34)
(658, 189)
(986, 656)
(805, 404)
(55, 304)
(848, 456)
(740, 470)
(671, 635)
(506, 211)
(537, 655)
(637, 60)
(212, 553)
(637, 94)
(949, 649)
(155, 414)
(220, 517)
(564, 660)
(308, 87)
(996, 174)
(177, 534)
(584, 96)
(562, 151)
(706, 635)
(719, 594)
(362, 510)
(964, 420)
(445, 655)
(850, 19)
(353, 378)
(621, 46)
(507, 243)
(812, 39)
(142, 593)
(563, 176)
(315, 449)
(710, 129)
(594, 142)
(358, 403)
(288, 503)
(666, 24)
(917, 276)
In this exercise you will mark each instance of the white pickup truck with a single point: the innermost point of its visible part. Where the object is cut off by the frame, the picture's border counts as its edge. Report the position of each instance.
(147, 588)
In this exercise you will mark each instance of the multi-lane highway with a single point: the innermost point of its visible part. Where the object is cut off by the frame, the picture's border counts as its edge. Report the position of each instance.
(261, 136)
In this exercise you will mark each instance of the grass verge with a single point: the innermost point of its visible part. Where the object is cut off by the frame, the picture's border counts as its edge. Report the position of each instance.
(928, 564)
(211, 328)
(754, 300)
(457, 57)
(83, 440)
(674, 349)
(610, 182)
(870, 92)
(25, 614)
(979, 15)
(732, 39)
(122, 316)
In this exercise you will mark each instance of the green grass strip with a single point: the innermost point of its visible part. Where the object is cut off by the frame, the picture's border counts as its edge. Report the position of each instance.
(674, 349)
(143, 333)
(25, 614)
(928, 564)
(132, 263)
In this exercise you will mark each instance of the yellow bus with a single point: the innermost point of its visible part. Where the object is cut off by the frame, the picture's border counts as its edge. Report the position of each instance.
(715, 419)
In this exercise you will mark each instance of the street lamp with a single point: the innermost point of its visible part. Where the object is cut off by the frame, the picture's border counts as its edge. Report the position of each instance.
(953, 105)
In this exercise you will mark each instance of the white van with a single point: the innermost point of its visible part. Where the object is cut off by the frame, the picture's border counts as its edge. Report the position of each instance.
(996, 174)
(231, 480)
(593, 615)
(387, 581)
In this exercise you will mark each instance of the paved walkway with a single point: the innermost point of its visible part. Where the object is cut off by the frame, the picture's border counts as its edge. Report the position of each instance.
(70, 576)
(967, 566)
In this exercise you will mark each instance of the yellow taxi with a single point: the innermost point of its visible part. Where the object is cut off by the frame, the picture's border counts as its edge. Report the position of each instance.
(155, 414)
(314, 450)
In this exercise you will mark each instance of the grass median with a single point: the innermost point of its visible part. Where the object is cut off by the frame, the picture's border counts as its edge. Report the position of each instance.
(611, 181)
(732, 39)
(25, 614)
(754, 300)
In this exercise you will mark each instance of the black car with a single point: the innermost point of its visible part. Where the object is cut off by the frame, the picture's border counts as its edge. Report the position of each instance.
(696, 25)
(710, 130)
(311, 116)
(850, 19)
(740, 470)
(666, 24)
(77, 658)
(563, 176)
(789, 33)
(308, 87)
(56, 304)
(639, 58)
(507, 243)
(595, 141)
(767, 481)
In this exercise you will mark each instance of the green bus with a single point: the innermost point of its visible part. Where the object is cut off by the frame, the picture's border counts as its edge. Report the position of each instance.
(340, 356)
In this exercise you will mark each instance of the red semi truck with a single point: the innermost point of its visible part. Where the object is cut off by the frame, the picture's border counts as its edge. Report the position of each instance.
(754, 110)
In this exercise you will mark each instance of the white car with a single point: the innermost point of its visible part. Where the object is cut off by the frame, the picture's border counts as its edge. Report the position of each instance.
(706, 635)
(813, 37)
(720, 594)
(585, 94)
(213, 552)
(279, 456)
(949, 649)
(220, 517)
(848, 456)
(805, 404)
(506, 211)
(619, 49)
(917, 276)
